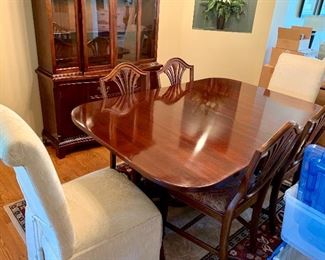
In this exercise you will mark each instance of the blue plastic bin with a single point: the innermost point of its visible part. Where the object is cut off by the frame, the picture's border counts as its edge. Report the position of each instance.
(277, 251)
(303, 226)
(286, 252)
(312, 178)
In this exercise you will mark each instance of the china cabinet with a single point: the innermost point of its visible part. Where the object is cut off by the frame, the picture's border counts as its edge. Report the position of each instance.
(79, 41)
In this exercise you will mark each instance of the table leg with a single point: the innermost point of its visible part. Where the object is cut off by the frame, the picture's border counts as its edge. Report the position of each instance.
(163, 205)
(162, 252)
(112, 160)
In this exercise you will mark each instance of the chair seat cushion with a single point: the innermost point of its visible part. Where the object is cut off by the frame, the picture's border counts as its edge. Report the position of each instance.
(105, 207)
(217, 198)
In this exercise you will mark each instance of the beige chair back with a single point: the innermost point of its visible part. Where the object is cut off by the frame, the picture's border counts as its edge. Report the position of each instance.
(47, 218)
(298, 76)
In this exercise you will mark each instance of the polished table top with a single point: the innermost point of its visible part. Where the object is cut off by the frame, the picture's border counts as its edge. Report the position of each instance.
(190, 136)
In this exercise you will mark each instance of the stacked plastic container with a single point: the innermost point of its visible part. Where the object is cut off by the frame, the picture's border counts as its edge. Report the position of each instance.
(304, 217)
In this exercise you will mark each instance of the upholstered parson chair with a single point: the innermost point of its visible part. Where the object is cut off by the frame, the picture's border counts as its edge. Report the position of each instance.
(101, 215)
(298, 76)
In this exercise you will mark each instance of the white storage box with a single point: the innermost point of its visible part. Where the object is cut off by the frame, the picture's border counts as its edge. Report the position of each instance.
(303, 227)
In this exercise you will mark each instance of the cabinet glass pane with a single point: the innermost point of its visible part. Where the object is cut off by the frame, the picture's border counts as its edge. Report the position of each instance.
(148, 30)
(126, 30)
(98, 37)
(65, 36)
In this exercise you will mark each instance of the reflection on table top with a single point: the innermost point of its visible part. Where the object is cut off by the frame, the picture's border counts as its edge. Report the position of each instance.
(190, 136)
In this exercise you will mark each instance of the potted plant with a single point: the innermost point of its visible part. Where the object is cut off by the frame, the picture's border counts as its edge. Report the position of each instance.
(224, 9)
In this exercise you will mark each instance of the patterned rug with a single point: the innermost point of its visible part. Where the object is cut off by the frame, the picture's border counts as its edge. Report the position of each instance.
(207, 229)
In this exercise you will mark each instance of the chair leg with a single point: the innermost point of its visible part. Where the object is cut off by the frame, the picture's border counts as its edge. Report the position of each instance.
(224, 235)
(254, 227)
(257, 208)
(276, 185)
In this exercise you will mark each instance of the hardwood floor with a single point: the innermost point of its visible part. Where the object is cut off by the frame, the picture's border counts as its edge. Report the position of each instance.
(72, 166)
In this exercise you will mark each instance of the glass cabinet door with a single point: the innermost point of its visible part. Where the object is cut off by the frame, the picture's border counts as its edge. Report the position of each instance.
(65, 33)
(127, 24)
(147, 43)
(116, 31)
(97, 32)
(136, 29)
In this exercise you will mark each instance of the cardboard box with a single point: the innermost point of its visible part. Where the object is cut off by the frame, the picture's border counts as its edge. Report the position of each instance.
(294, 39)
(305, 31)
(295, 33)
(293, 45)
(289, 34)
(276, 52)
(266, 75)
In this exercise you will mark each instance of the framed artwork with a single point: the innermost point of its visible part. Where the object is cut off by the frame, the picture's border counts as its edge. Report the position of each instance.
(321, 8)
(308, 8)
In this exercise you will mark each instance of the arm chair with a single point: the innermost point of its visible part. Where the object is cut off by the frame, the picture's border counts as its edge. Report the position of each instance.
(174, 69)
(228, 199)
(126, 77)
(101, 215)
(297, 76)
(310, 135)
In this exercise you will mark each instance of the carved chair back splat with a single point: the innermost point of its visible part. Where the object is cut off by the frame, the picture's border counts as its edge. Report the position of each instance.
(125, 76)
(270, 158)
(175, 68)
(311, 133)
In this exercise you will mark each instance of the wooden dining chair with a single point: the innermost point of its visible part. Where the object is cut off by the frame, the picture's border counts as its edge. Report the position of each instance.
(311, 134)
(175, 68)
(126, 77)
(228, 199)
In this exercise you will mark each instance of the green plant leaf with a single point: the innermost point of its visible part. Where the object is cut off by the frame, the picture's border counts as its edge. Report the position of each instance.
(225, 9)
(211, 4)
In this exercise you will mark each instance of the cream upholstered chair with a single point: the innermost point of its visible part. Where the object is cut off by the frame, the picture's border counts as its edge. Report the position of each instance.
(298, 76)
(101, 215)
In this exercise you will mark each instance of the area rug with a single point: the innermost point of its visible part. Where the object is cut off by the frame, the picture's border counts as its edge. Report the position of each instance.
(207, 229)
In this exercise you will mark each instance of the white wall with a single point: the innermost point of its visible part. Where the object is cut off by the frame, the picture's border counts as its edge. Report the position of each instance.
(318, 23)
(214, 53)
(18, 60)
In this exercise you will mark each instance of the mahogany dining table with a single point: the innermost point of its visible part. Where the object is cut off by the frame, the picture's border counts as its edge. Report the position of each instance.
(190, 136)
